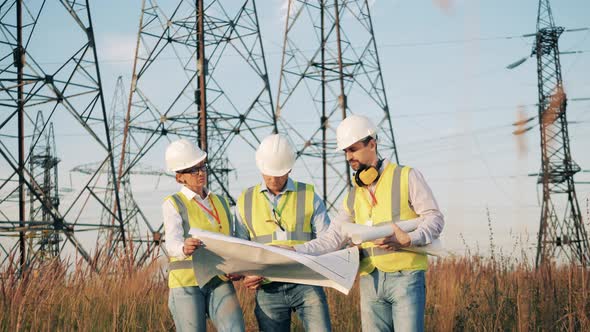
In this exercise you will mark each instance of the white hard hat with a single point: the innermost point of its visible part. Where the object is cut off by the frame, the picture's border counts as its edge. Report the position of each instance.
(353, 129)
(183, 154)
(275, 156)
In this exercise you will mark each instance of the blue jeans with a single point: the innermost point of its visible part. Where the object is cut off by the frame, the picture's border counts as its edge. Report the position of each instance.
(276, 300)
(191, 305)
(393, 301)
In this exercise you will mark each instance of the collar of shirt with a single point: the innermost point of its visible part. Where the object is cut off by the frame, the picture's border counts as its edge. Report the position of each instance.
(191, 194)
(289, 186)
(383, 165)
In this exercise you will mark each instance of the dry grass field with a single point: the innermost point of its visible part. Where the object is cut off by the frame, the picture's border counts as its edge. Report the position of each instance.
(463, 294)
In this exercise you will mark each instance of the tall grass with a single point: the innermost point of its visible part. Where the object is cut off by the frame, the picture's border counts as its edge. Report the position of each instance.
(463, 294)
(59, 296)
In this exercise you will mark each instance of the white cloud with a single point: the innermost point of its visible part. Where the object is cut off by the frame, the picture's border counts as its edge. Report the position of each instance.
(117, 48)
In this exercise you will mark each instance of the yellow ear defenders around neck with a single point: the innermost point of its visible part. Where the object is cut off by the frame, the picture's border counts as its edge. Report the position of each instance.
(367, 174)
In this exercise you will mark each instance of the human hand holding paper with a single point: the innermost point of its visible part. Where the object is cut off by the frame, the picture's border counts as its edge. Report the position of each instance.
(190, 245)
(253, 282)
(234, 277)
(360, 233)
(396, 241)
(221, 254)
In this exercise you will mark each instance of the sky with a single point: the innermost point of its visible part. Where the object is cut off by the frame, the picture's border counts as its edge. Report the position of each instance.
(452, 104)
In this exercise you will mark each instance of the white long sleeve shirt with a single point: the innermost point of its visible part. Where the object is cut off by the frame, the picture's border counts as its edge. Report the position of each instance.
(173, 222)
(430, 222)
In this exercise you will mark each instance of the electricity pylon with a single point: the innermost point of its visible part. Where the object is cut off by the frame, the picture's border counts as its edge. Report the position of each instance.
(340, 74)
(199, 73)
(561, 229)
(43, 161)
(134, 219)
(69, 94)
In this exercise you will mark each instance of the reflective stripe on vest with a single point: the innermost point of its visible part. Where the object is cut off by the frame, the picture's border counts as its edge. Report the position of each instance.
(393, 182)
(183, 213)
(248, 211)
(299, 235)
(225, 205)
(180, 265)
(374, 251)
(395, 196)
(180, 271)
(350, 201)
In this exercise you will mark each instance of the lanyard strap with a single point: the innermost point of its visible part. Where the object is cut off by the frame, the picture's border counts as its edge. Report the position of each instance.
(373, 201)
(274, 207)
(210, 212)
(373, 197)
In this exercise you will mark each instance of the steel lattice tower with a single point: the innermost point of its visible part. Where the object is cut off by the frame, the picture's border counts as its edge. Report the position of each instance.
(318, 87)
(191, 62)
(133, 217)
(43, 166)
(69, 94)
(561, 230)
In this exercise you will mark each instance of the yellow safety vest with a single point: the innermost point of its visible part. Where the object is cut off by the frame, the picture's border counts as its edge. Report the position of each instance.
(392, 195)
(256, 213)
(180, 271)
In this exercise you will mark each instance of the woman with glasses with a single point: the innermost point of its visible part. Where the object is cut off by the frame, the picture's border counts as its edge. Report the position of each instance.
(196, 207)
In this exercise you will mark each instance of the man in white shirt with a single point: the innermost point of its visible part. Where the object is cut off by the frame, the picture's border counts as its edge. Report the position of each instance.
(392, 283)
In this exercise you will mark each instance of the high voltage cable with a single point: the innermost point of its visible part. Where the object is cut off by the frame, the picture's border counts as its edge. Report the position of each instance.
(400, 45)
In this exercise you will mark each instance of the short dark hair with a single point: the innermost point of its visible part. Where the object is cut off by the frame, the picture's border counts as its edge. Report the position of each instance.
(367, 139)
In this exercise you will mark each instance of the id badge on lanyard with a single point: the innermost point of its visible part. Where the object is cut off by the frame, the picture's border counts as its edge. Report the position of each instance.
(216, 222)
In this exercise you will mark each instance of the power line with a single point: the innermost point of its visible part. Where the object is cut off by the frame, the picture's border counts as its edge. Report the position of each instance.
(394, 45)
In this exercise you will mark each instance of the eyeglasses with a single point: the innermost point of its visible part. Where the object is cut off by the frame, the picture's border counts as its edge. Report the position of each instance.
(195, 169)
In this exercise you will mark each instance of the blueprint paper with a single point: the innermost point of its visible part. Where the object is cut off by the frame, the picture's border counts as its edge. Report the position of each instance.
(360, 233)
(223, 254)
